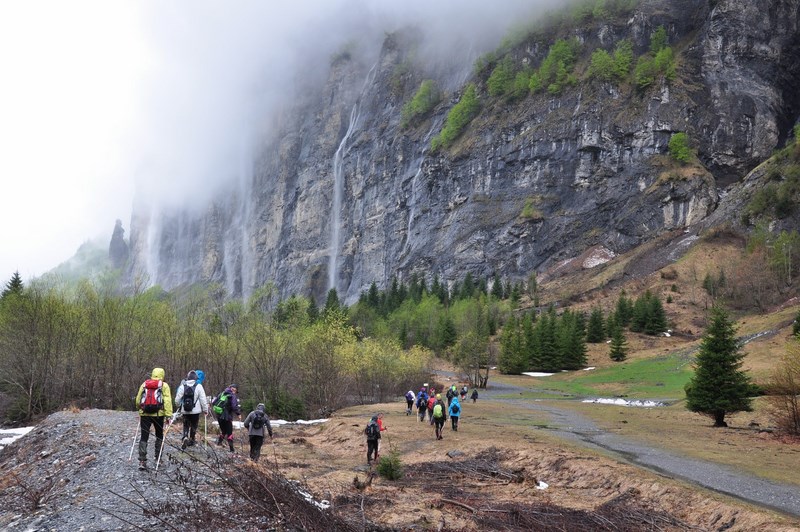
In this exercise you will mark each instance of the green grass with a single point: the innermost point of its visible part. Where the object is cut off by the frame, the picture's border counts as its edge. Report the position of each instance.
(656, 378)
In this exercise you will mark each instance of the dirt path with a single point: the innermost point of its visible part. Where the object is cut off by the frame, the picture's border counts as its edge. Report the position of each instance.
(577, 428)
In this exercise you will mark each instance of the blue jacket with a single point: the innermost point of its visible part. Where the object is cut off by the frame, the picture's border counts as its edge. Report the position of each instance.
(455, 408)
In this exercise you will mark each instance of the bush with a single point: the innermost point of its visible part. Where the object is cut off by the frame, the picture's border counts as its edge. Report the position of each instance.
(423, 102)
(389, 466)
(784, 392)
(555, 72)
(458, 118)
(501, 81)
(679, 147)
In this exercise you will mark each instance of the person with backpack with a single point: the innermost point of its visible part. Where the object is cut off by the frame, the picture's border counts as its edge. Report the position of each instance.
(381, 428)
(422, 404)
(409, 401)
(154, 401)
(474, 395)
(455, 413)
(432, 401)
(373, 434)
(255, 423)
(225, 406)
(464, 391)
(191, 401)
(438, 416)
(450, 394)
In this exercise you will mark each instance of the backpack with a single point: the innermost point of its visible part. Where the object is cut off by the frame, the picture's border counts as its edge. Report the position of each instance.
(188, 398)
(221, 403)
(258, 421)
(422, 400)
(450, 394)
(152, 400)
(437, 411)
(456, 409)
(372, 431)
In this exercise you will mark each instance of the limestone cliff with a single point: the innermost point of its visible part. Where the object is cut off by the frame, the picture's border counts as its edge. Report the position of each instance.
(345, 196)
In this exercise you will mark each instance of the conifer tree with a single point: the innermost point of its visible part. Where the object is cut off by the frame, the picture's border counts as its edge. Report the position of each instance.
(656, 319)
(595, 331)
(624, 310)
(497, 287)
(719, 387)
(13, 286)
(512, 355)
(312, 310)
(332, 301)
(619, 346)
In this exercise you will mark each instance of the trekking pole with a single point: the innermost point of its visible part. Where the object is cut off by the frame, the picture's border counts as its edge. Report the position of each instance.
(274, 453)
(164, 439)
(205, 431)
(135, 437)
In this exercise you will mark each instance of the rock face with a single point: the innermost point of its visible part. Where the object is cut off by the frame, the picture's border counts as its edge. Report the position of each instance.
(118, 250)
(345, 196)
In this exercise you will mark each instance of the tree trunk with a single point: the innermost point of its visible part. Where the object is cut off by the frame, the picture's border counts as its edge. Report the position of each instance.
(719, 419)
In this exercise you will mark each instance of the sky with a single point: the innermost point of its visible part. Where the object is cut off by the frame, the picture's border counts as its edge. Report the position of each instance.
(107, 101)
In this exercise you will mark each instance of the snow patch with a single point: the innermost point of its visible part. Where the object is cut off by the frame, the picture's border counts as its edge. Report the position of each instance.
(537, 374)
(597, 257)
(624, 402)
(590, 368)
(542, 485)
(9, 436)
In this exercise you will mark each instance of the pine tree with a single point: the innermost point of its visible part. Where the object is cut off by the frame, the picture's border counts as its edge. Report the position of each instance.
(497, 287)
(313, 310)
(446, 332)
(596, 332)
(13, 286)
(656, 319)
(718, 386)
(373, 296)
(624, 310)
(512, 354)
(619, 346)
(332, 301)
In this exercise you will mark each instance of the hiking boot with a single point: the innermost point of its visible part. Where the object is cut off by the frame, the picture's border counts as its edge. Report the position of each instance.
(142, 465)
(184, 443)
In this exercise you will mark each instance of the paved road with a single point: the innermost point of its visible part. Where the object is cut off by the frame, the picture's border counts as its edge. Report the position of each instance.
(575, 427)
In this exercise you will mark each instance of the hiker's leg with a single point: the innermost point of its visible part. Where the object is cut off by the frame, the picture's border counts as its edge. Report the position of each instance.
(230, 442)
(144, 424)
(194, 419)
(158, 423)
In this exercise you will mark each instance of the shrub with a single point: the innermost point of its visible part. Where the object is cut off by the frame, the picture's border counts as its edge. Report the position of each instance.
(784, 392)
(679, 147)
(658, 40)
(501, 81)
(601, 66)
(458, 118)
(555, 72)
(530, 212)
(389, 466)
(423, 102)
(645, 72)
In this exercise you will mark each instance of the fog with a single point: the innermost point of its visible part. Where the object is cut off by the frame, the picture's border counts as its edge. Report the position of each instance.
(103, 101)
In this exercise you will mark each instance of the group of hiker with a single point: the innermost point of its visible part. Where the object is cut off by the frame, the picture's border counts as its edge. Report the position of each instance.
(430, 406)
(155, 405)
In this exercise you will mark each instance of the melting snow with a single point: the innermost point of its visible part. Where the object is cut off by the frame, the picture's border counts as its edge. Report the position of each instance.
(542, 485)
(537, 374)
(625, 402)
(9, 436)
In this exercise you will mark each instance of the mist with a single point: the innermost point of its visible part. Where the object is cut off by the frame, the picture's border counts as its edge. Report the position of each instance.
(217, 77)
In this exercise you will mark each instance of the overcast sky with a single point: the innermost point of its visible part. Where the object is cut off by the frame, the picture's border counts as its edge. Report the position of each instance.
(99, 95)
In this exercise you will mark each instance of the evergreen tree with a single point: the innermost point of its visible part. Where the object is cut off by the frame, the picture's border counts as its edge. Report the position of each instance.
(619, 346)
(403, 336)
(497, 287)
(312, 310)
(468, 287)
(571, 343)
(516, 292)
(719, 386)
(373, 298)
(596, 332)
(446, 332)
(507, 290)
(332, 301)
(624, 310)
(512, 354)
(656, 321)
(13, 286)
(639, 313)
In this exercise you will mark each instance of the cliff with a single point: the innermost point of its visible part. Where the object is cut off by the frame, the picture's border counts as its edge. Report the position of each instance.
(344, 195)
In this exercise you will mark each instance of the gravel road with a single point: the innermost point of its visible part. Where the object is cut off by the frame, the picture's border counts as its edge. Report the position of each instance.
(723, 479)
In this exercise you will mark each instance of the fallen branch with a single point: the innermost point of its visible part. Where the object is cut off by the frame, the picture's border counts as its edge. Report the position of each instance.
(461, 504)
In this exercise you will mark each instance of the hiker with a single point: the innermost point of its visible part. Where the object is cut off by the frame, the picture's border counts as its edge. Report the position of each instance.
(438, 416)
(226, 405)
(201, 376)
(464, 391)
(255, 422)
(381, 428)
(450, 394)
(432, 401)
(422, 404)
(455, 412)
(191, 401)
(373, 434)
(409, 401)
(154, 401)
(474, 395)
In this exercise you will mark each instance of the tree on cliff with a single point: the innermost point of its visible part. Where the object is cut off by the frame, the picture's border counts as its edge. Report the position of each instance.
(718, 386)
(13, 286)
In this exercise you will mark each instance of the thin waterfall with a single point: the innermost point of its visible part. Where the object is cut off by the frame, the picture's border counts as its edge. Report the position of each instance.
(412, 207)
(338, 184)
(153, 261)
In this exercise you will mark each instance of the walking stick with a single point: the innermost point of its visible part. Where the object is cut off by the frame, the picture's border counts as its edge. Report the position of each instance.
(205, 430)
(164, 440)
(135, 436)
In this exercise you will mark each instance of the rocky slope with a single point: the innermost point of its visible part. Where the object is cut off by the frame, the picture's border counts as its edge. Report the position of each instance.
(344, 196)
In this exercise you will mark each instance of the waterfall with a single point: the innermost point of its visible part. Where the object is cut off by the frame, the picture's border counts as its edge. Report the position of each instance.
(338, 184)
(153, 261)
(413, 202)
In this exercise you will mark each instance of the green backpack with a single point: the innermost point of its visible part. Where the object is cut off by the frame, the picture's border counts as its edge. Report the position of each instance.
(437, 410)
(220, 404)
